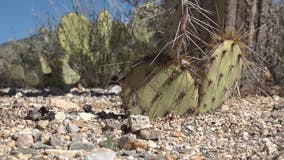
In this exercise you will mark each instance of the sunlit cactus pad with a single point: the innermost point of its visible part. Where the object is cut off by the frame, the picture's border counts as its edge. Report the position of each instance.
(224, 68)
(154, 90)
(74, 34)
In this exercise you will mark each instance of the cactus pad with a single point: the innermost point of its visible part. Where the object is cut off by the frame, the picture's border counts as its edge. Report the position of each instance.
(45, 68)
(104, 26)
(224, 68)
(69, 76)
(154, 90)
(32, 79)
(17, 72)
(74, 34)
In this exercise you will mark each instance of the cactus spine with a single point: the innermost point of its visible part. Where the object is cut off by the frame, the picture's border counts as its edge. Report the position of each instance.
(175, 25)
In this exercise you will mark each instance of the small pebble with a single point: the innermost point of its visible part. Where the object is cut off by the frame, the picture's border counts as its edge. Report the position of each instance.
(61, 129)
(81, 146)
(72, 128)
(55, 142)
(25, 141)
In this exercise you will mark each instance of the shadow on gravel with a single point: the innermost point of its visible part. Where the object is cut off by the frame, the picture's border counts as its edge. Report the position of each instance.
(105, 115)
(51, 92)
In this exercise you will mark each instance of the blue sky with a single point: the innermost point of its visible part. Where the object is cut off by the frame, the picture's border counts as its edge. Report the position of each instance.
(20, 18)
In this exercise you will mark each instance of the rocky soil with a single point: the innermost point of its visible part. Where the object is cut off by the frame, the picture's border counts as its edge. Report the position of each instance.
(90, 124)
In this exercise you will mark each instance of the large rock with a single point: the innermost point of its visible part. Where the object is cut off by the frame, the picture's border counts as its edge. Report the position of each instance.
(138, 122)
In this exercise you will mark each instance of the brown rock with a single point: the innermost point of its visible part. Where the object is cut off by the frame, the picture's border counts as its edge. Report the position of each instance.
(25, 141)
(64, 104)
(196, 157)
(178, 134)
(129, 142)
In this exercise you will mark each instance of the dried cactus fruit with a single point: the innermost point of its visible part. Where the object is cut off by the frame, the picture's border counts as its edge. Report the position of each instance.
(155, 90)
(224, 68)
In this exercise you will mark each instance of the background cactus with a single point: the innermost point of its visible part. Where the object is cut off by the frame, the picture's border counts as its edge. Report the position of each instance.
(17, 72)
(75, 34)
(76, 38)
(45, 68)
(32, 79)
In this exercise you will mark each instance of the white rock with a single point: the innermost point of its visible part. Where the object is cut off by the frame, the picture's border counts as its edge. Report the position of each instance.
(116, 89)
(18, 95)
(60, 116)
(276, 97)
(246, 135)
(86, 116)
(102, 154)
(190, 127)
(138, 122)
(213, 129)
(152, 144)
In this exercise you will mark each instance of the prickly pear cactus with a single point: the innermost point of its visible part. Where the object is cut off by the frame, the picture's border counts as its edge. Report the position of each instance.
(224, 68)
(17, 72)
(74, 34)
(45, 68)
(157, 90)
(141, 25)
(104, 26)
(69, 76)
(32, 79)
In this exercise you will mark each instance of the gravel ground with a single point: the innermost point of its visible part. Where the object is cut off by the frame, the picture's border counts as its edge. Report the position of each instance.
(90, 124)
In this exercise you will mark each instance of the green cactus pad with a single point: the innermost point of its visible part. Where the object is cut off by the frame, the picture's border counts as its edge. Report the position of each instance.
(32, 79)
(69, 76)
(45, 68)
(74, 34)
(156, 91)
(17, 72)
(224, 68)
(104, 26)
